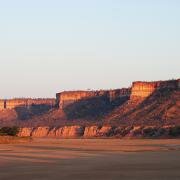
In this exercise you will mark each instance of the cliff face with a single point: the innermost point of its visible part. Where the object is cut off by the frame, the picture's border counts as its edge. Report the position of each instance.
(66, 98)
(139, 90)
(69, 97)
(25, 132)
(91, 131)
(67, 132)
(104, 131)
(151, 103)
(40, 132)
(118, 93)
(145, 102)
(61, 132)
(23, 109)
(145, 89)
(96, 131)
(1, 104)
(14, 103)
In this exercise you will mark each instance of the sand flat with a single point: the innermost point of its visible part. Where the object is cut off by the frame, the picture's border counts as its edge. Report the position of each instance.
(91, 159)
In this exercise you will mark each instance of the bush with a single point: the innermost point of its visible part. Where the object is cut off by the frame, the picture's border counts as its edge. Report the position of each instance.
(175, 131)
(149, 131)
(9, 131)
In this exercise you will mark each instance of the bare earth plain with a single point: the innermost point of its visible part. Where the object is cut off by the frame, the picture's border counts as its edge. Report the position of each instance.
(91, 159)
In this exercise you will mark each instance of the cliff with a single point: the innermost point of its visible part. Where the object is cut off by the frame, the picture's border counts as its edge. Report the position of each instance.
(104, 131)
(66, 132)
(22, 109)
(97, 131)
(2, 104)
(139, 90)
(119, 93)
(67, 98)
(145, 103)
(25, 132)
(145, 89)
(15, 103)
(153, 103)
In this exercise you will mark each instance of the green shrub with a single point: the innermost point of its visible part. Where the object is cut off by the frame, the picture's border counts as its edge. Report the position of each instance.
(9, 131)
(175, 131)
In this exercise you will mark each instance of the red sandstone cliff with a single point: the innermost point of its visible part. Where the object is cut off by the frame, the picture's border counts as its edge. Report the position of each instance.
(145, 89)
(150, 103)
(104, 131)
(144, 103)
(25, 132)
(66, 98)
(67, 132)
(14, 103)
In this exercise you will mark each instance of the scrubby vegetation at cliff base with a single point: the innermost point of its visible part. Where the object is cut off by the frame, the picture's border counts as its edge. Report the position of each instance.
(9, 131)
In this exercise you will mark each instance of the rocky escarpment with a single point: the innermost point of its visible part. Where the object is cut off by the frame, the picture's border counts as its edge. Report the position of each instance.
(22, 109)
(66, 132)
(142, 89)
(145, 103)
(25, 132)
(96, 131)
(139, 90)
(61, 132)
(151, 103)
(23, 102)
(104, 131)
(66, 98)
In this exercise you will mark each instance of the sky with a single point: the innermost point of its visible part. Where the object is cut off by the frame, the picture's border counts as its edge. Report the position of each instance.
(48, 46)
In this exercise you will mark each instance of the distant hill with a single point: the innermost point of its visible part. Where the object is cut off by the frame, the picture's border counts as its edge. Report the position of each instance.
(145, 103)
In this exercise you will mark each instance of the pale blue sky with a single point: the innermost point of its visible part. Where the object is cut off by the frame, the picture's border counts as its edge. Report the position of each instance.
(51, 45)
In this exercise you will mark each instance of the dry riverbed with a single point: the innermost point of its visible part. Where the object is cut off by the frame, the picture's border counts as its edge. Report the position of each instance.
(91, 159)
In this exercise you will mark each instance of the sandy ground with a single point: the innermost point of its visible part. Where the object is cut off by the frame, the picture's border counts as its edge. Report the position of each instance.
(91, 159)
